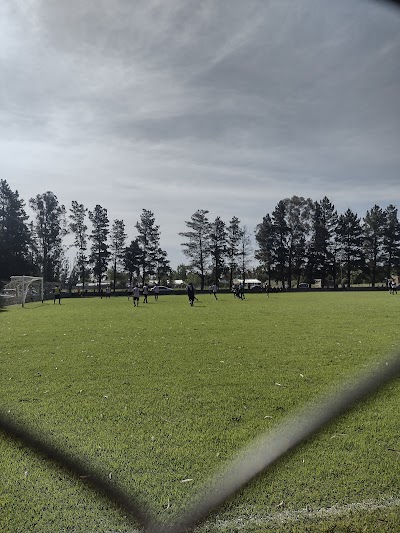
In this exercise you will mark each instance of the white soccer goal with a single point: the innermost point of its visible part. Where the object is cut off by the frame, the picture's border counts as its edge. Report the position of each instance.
(23, 289)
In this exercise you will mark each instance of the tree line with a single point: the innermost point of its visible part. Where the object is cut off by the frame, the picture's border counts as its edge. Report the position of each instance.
(37, 247)
(300, 240)
(304, 240)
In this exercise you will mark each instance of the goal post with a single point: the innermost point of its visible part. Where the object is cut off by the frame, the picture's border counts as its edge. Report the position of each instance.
(22, 289)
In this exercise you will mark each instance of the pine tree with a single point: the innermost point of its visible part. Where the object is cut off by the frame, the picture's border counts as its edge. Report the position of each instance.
(163, 268)
(197, 248)
(99, 251)
(373, 228)
(298, 222)
(267, 242)
(321, 252)
(391, 241)
(234, 234)
(218, 247)
(349, 237)
(15, 236)
(118, 238)
(133, 259)
(49, 230)
(149, 242)
(245, 251)
(79, 228)
(281, 231)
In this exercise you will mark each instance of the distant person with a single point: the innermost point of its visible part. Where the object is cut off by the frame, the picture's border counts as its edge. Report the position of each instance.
(241, 291)
(136, 294)
(108, 291)
(191, 293)
(145, 293)
(57, 294)
(156, 291)
(130, 290)
(214, 290)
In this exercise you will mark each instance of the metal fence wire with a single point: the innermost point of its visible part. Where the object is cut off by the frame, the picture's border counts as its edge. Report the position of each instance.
(251, 461)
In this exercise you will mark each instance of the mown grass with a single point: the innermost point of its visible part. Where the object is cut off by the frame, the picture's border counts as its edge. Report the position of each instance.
(165, 393)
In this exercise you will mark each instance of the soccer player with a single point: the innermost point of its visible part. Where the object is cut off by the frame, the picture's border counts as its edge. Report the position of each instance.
(214, 291)
(129, 290)
(145, 293)
(190, 292)
(136, 294)
(57, 294)
(156, 291)
(241, 291)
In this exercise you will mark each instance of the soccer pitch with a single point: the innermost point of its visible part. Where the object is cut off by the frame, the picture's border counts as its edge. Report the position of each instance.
(161, 396)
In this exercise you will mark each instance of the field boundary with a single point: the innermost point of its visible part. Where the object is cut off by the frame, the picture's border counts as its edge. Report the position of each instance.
(284, 517)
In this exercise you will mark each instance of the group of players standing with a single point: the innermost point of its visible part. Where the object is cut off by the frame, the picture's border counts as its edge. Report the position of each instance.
(135, 293)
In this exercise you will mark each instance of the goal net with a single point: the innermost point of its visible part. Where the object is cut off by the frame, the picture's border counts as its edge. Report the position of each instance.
(22, 289)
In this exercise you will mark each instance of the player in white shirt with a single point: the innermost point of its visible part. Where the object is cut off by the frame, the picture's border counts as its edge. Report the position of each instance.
(136, 294)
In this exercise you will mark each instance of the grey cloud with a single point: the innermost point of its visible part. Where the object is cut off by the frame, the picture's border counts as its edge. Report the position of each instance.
(225, 105)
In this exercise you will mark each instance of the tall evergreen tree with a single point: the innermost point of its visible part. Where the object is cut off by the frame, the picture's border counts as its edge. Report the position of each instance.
(15, 236)
(391, 241)
(267, 243)
(349, 236)
(118, 238)
(100, 254)
(49, 230)
(298, 222)
(233, 236)
(163, 269)
(197, 247)
(373, 228)
(218, 247)
(321, 253)
(79, 229)
(245, 252)
(133, 259)
(149, 242)
(281, 231)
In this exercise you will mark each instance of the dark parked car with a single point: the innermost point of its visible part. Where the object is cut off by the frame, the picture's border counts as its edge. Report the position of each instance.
(256, 288)
(162, 290)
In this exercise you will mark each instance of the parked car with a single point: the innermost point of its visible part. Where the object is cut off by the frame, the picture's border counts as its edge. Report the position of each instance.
(304, 286)
(162, 289)
(256, 288)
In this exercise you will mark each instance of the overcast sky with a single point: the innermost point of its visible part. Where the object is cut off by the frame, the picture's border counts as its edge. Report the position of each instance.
(179, 105)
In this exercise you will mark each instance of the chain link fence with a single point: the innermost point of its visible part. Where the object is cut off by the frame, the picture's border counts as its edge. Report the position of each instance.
(253, 460)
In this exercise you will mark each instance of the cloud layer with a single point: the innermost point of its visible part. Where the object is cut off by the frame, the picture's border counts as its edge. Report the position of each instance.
(176, 106)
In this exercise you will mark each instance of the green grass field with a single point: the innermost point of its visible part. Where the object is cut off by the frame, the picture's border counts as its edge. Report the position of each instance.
(164, 393)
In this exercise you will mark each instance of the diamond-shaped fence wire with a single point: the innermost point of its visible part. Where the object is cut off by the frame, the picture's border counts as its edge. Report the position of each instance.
(253, 460)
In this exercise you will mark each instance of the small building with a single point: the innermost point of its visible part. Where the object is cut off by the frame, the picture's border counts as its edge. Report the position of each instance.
(90, 285)
(248, 282)
(179, 283)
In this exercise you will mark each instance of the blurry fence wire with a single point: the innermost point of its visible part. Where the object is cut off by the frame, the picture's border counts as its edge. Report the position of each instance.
(255, 459)
(265, 451)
